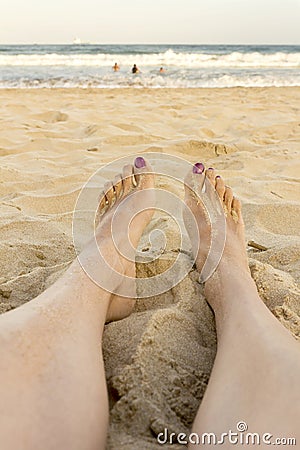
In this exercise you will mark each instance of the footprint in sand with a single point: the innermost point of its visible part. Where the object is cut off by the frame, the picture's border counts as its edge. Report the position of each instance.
(90, 130)
(129, 139)
(128, 127)
(52, 117)
(205, 149)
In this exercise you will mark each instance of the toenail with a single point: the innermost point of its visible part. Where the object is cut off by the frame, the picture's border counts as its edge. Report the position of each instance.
(211, 168)
(218, 176)
(198, 168)
(139, 162)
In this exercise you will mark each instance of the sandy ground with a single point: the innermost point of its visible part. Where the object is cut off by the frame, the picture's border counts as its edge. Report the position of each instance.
(159, 359)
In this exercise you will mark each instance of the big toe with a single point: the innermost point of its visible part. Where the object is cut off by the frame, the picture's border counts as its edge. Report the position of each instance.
(143, 173)
(193, 183)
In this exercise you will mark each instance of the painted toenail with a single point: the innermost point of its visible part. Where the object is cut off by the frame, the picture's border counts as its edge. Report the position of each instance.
(139, 162)
(218, 176)
(211, 168)
(198, 168)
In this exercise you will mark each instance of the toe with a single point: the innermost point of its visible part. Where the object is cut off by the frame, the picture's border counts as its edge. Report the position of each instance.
(194, 181)
(118, 186)
(228, 196)
(210, 174)
(127, 178)
(143, 173)
(109, 192)
(237, 209)
(103, 202)
(220, 187)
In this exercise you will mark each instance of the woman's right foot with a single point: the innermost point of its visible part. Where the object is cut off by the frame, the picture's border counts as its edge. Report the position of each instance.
(125, 209)
(233, 264)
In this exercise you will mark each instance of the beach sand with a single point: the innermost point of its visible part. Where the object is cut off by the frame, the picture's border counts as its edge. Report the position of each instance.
(159, 359)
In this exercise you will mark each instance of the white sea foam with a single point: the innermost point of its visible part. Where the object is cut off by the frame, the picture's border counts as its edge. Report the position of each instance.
(168, 58)
(144, 81)
(186, 66)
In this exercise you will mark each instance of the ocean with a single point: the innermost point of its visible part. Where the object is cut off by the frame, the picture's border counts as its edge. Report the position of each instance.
(186, 66)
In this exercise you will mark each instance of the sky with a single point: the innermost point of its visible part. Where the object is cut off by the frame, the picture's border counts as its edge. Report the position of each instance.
(150, 21)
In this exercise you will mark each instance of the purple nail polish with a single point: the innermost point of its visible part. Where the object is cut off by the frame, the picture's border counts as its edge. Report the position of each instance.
(198, 168)
(139, 162)
(211, 168)
(218, 176)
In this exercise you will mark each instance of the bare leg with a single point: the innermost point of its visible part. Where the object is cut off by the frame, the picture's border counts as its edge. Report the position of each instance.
(52, 384)
(256, 373)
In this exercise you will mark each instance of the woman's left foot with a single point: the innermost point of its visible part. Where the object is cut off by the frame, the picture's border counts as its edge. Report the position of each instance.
(233, 263)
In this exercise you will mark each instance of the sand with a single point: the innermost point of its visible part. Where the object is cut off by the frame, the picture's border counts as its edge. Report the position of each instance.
(159, 359)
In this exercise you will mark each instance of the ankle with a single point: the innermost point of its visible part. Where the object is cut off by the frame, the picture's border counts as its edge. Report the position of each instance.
(229, 272)
(228, 286)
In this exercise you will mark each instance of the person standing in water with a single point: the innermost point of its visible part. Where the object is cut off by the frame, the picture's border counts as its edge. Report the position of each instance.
(116, 67)
(135, 69)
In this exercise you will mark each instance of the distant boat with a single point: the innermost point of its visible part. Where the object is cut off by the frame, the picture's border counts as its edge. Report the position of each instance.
(78, 41)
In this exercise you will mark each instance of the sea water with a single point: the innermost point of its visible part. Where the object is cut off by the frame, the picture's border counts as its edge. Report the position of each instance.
(186, 66)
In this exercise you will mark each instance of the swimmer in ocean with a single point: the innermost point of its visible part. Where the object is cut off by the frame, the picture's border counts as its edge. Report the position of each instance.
(135, 69)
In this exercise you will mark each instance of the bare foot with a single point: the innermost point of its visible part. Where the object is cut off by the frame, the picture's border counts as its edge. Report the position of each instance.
(253, 376)
(109, 260)
(233, 264)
